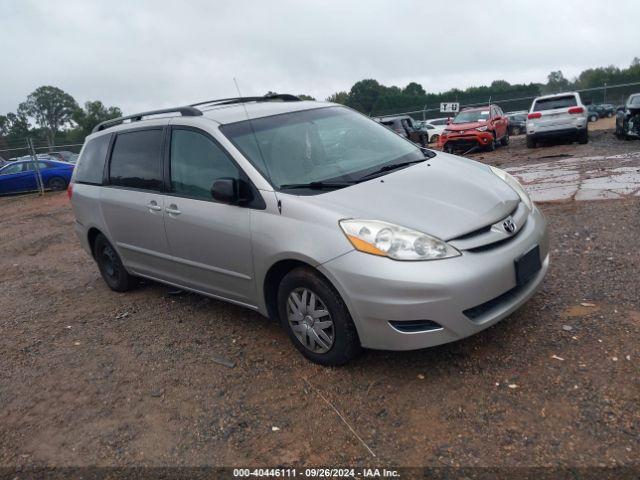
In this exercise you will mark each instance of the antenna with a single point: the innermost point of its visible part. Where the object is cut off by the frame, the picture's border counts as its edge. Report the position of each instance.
(255, 137)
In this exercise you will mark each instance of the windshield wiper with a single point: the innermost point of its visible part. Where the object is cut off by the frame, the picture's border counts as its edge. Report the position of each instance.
(393, 166)
(317, 185)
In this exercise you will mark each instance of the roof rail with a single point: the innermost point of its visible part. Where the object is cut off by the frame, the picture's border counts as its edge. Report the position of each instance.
(285, 97)
(188, 111)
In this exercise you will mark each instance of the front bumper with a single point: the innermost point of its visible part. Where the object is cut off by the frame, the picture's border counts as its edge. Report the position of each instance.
(466, 140)
(464, 295)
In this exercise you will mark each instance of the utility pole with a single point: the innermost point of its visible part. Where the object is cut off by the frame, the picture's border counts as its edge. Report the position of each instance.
(36, 166)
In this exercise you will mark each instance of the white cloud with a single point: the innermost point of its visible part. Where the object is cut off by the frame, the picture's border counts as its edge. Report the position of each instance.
(148, 54)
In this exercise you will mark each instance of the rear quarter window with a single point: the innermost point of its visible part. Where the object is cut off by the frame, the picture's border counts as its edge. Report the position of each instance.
(565, 101)
(91, 164)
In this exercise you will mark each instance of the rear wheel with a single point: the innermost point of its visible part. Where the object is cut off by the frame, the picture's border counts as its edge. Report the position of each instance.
(609, 114)
(110, 265)
(57, 183)
(593, 118)
(531, 143)
(316, 318)
(583, 137)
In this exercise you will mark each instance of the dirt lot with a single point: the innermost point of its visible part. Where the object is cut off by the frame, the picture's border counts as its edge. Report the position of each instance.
(92, 377)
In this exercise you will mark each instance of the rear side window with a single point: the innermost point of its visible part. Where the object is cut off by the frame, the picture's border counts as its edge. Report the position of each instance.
(555, 102)
(91, 165)
(135, 161)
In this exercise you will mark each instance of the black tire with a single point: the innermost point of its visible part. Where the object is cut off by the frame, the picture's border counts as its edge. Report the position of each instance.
(346, 343)
(492, 146)
(593, 118)
(110, 265)
(583, 137)
(609, 114)
(504, 141)
(57, 183)
(531, 143)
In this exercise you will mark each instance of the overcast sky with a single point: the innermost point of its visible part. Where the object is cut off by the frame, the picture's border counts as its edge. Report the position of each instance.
(149, 54)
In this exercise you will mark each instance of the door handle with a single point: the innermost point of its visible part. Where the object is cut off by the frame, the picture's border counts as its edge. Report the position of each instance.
(153, 206)
(173, 209)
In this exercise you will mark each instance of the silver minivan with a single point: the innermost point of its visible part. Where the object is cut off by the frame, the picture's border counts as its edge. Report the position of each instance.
(309, 213)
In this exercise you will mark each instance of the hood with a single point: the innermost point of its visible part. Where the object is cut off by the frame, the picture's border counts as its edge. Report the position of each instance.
(446, 196)
(456, 127)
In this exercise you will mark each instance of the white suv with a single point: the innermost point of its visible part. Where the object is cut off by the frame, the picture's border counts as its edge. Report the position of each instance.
(561, 115)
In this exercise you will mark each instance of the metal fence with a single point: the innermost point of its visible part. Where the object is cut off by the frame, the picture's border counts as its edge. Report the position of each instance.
(612, 94)
(27, 149)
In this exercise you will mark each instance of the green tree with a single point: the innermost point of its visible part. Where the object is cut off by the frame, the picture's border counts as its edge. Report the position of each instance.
(92, 114)
(364, 95)
(414, 90)
(51, 108)
(556, 82)
(302, 96)
(339, 97)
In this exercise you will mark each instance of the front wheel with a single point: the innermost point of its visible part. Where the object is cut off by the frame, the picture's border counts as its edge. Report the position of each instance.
(110, 265)
(316, 318)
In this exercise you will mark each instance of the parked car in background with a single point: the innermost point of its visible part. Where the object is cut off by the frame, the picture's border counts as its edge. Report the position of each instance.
(592, 113)
(479, 127)
(628, 118)
(439, 122)
(64, 156)
(517, 123)
(558, 116)
(404, 125)
(433, 131)
(373, 243)
(605, 110)
(20, 176)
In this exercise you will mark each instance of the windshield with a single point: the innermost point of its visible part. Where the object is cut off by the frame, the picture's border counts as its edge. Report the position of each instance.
(635, 100)
(472, 116)
(332, 144)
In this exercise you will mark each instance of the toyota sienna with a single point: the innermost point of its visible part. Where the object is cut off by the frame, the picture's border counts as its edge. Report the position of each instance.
(313, 214)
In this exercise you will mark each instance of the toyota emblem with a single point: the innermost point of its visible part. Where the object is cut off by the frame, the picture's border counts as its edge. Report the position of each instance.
(509, 225)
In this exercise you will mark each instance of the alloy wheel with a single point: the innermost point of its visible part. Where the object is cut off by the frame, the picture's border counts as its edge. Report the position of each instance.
(310, 320)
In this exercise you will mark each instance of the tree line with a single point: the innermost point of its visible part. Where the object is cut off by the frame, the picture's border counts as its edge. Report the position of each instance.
(372, 98)
(53, 117)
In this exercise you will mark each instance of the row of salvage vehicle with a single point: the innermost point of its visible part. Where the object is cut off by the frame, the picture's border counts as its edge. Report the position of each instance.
(561, 116)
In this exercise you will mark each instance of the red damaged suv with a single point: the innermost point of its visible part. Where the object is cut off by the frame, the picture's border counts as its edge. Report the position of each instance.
(478, 127)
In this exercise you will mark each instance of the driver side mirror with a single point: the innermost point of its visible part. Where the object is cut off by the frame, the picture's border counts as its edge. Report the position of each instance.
(226, 190)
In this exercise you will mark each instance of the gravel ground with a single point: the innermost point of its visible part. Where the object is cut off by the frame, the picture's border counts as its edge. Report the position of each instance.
(92, 377)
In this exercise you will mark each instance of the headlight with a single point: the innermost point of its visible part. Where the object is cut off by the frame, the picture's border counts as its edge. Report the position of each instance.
(482, 129)
(513, 183)
(399, 243)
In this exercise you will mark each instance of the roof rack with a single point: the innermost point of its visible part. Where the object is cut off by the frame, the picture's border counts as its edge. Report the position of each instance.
(188, 111)
(285, 97)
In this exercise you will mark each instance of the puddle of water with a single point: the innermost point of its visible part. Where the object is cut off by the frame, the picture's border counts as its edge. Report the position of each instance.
(581, 178)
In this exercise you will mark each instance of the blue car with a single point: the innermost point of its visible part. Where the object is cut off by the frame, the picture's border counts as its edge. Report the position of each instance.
(20, 176)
